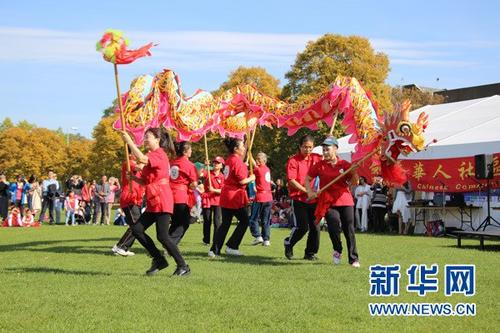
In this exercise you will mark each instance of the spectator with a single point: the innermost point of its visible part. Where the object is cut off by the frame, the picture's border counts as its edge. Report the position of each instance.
(379, 204)
(400, 207)
(35, 204)
(4, 197)
(119, 217)
(363, 195)
(19, 193)
(75, 184)
(114, 186)
(50, 187)
(14, 218)
(29, 219)
(281, 192)
(71, 205)
(101, 208)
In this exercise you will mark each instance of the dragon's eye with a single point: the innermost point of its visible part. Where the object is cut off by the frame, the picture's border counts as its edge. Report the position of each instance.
(405, 128)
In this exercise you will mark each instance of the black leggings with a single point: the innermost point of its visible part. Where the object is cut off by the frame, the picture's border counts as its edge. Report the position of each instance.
(132, 214)
(214, 211)
(162, 223)
(238, 233)
(304, 222)
(180, 222)
(342, 217)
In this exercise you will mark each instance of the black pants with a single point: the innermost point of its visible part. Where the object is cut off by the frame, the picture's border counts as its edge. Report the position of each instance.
(379, 218)
(342, 218)
(132, 214)
(4, 208)
(162, 221)
(47, 203)
(304, 222)
(211, 214)
(180, 222)
(238, 233)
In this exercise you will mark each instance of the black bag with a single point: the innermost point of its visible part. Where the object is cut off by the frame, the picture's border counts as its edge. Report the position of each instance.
(51, 190)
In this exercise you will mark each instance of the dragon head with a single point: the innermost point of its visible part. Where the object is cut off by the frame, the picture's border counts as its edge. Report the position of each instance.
(401, 135)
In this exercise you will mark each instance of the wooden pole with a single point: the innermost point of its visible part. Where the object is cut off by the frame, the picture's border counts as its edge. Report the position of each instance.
(122, 120)
(250, 158)
(333, 123)
(355, 165)
(207, 160)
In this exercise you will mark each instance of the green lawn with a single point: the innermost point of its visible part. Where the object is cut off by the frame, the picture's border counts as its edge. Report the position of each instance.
(65, 279)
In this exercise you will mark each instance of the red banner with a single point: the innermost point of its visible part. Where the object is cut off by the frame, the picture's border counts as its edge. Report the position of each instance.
(450, 174)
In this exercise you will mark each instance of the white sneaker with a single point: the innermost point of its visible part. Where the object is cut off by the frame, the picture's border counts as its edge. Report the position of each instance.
(336, 257)
(121, 252)
(266, 243)
(211, 254)
(257, 240)
(114, 249)
(233, 252)
(356, 264)
(129, 253)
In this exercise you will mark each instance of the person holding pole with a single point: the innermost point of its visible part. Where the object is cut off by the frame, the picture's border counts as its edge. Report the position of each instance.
(212, 210)
(303, 208)
(335, 203)
(233, 200)
(159, 200)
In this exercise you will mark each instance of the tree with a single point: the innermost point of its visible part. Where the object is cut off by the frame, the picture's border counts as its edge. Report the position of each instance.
(32, 151)
(110, 111)
(417, 97)
(6, 124)
(257, 76)
(106, 153)
(319, 64)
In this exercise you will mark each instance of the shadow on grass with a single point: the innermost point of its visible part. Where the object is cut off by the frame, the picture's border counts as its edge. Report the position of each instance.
(249, 259)
(487, 247)
(45, 270)
(28, 245)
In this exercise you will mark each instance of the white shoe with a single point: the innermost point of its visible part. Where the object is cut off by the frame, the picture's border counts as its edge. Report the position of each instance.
(356, 264)
(257, 240)
(129, 253)
(211, 254)
(233, 252)
(121, 252)
(114, 249)
(266, 243)
(336, 257)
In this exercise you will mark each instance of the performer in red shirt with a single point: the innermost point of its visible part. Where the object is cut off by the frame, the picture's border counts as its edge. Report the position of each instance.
(183, 180)
(130, 203)
(159, 201)
(303, 208)
(261, 207)
(211, 198)
(336, 203)
(233, 199)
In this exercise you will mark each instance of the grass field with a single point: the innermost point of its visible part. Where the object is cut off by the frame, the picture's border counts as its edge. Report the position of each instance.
(65, 279)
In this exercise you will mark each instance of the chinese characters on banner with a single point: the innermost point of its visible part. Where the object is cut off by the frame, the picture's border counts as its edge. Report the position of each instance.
(449, 175)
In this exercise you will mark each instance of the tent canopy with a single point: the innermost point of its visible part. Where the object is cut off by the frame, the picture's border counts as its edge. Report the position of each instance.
(461, 129)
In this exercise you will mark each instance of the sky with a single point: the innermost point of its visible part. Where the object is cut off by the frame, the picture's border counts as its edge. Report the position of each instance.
(51, 75)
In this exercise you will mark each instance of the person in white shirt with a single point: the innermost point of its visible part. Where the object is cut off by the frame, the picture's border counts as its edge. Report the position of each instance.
(363, 196)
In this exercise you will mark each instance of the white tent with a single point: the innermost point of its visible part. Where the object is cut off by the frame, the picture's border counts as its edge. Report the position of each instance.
(461, 129)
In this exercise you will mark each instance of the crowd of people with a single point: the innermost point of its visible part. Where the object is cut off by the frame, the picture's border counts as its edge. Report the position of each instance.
(163, 187)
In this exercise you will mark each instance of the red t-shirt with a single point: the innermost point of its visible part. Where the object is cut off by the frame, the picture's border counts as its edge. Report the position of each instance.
(263, 184)
(128, 198)
(155, 174)
(182, 173)
(217, 183)
(233, 194)
(297, 168)
(339, 193)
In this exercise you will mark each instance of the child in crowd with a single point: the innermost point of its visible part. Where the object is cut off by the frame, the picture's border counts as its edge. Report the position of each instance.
(29, 219)
(14, 218)
(71, 205)
(120, 217)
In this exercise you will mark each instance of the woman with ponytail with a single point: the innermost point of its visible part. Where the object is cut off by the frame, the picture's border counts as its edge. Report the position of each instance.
(183, 180)
(233, 199)
(159, 200)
